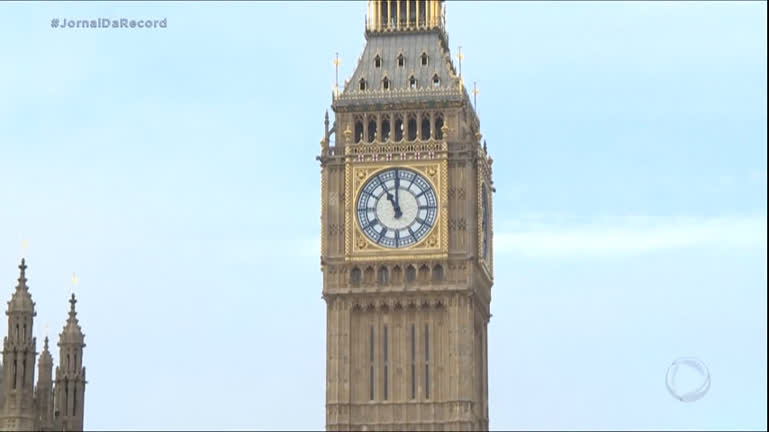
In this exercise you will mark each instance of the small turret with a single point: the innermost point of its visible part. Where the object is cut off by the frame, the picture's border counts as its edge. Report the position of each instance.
(44, 389)
(70, 375)
(18, 412)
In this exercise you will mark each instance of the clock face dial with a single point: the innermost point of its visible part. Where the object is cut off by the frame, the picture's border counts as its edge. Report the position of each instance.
(397, 208)
(485, 221)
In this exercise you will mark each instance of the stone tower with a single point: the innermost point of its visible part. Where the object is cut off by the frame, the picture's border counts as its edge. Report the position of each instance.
(70, 375)
(25, 406)
(406, 243)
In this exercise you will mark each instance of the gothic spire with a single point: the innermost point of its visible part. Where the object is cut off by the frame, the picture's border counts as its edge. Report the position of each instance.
(72, 333)
(45, 356)
(21, 300)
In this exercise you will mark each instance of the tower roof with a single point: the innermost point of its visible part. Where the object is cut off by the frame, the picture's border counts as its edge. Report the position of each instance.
(21, 300)
(404, 62)
(72, 333)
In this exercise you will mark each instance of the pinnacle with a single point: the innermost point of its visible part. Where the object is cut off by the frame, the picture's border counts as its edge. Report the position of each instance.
(21, 300)
(22, 276)
(72, 312)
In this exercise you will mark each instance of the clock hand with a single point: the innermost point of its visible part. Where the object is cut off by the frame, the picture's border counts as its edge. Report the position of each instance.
(397, 186)
(396, 207)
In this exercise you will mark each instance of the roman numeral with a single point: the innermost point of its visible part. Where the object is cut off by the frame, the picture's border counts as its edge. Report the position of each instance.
(426, 207)
(411, 232)
(397, 237)
(371, 224)
(382, 234)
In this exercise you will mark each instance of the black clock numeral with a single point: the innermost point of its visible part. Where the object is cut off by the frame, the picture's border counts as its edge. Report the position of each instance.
(371, 224)
(411, 232)
(426, 207)
(382, 234)
(397, 237)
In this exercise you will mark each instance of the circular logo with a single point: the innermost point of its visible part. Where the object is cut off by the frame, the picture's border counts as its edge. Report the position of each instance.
(688, 379)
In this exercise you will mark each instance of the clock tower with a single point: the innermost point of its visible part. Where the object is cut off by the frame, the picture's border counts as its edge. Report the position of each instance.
(406, 240)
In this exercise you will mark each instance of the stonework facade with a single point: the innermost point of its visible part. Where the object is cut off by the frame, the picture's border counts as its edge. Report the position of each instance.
(406, 243)
(56, 402)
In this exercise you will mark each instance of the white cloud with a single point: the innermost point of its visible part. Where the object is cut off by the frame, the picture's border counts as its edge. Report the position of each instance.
(630, 235)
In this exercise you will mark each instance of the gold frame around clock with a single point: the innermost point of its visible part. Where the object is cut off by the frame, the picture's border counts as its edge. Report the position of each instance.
(358, 247)
(484, 177)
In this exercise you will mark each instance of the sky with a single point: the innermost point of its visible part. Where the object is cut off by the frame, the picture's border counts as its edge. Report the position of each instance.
(173, 170)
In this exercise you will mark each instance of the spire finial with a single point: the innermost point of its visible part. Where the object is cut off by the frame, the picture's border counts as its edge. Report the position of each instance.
(475, 96)
(484, 146)
(460, 56)
(22, 275)
(336, 74)
(72, 312)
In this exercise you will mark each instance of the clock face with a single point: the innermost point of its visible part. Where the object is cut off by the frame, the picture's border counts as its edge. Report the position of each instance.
(397, 208)
(485, 221)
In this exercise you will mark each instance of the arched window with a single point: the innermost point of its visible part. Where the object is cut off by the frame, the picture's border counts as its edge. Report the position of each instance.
(436, 81)
(411, 273)
(397, 274)
(425, 127)
(368, 275)
(437, 273)
(386, 83)
(384, 276)
(371, 129)
(383, 13)
(412, 82)
(424, 59)
(385, 135)
(355, 275)
(438, 126)
(398, 128)
(401, 60)
(377, 61)
(358, 130)
(424, 271)
(362, 84)
(412, 128)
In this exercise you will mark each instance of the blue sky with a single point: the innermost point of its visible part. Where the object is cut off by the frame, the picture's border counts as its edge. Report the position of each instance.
(173, 170)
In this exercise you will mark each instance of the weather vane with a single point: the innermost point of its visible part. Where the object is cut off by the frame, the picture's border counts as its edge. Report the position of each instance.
(336, 73)
(460, 56)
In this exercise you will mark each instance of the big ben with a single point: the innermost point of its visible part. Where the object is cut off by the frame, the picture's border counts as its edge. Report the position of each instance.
(406, 242)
